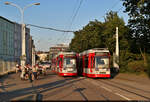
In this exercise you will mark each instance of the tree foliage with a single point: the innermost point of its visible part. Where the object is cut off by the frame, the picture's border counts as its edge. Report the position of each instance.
(101, 34)
(139, 23)
(134, 39)
(89, 37)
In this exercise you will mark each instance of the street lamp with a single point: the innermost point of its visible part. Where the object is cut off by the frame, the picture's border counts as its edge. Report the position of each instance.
(23, 55)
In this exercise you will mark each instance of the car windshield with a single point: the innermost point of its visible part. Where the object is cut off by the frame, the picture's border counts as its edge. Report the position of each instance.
(101, 61)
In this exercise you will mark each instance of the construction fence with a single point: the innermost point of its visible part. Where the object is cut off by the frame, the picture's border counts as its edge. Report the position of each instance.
(6, 67)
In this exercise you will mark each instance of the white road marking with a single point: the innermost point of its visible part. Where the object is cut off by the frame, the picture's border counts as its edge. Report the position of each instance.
(106, 89)
(122, 96)
(100, 86)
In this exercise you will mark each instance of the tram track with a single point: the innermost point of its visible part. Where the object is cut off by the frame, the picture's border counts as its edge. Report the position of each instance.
(77, 88)
(94, 90)
(83, 85)
(123, 89)
(129, 86)
(131, 80)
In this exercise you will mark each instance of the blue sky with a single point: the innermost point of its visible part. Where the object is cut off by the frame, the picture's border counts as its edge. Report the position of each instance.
(58, 14)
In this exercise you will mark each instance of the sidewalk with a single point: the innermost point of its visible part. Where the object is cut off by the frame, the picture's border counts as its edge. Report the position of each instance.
(133, 77)
(7, 72)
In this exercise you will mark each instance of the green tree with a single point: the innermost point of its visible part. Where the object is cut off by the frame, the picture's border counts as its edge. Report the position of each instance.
(139, 23)
(112, 21)
(102, 35)
(89, 37)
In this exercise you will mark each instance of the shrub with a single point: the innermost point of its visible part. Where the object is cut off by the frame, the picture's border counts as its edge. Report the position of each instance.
(125, 58)
(148, 65)
(136, 66)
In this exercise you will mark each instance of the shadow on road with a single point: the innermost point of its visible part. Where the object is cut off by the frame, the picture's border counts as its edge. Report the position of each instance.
(80, 91)
(114, 72)
(35, 89)
(2, 84)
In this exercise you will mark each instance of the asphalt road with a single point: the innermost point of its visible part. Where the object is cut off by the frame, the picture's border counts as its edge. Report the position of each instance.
(54, 87)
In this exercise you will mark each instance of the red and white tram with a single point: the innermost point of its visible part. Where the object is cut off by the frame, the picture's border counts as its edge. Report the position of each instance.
(95, 63)
(66, 64)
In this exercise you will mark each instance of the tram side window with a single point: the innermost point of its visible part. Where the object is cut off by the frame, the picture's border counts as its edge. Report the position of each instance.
(86, 62)
(68, 61)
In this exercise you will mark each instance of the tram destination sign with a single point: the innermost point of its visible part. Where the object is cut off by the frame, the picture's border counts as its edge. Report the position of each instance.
(101, 53)
(69, 55)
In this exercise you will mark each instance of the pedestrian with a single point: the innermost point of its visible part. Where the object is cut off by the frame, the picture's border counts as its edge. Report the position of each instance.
(22, 76)
(30, 75)
(44, 70)
(26, 72)
(34, 70)
(38, 71)
(17, 68)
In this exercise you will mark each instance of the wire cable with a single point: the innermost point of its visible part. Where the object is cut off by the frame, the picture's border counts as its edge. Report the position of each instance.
(62, 38)
(73, 18)
(49, 28)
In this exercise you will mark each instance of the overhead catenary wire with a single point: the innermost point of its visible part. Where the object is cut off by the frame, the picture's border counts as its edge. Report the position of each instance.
(62, 38)
(49, 28)
(113, 6)
(73, 18)
(119, 9)
(59, 30)
(110, 9)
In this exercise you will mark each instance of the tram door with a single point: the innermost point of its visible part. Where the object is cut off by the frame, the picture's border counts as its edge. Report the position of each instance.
(60, 63)
(91, 63)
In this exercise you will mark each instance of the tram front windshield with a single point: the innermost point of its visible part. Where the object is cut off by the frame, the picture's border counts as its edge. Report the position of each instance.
(69, 62)
(101, 62)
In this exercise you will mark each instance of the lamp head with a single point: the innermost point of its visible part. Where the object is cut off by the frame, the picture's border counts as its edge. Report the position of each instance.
(7, 3)
(37, 4)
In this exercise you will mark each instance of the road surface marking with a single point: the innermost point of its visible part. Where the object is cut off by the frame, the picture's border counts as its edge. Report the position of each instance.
(100, 86)
(122, 96)
(106, 89)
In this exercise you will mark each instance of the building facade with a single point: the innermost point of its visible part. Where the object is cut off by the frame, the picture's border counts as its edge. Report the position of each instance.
(33, 54)
(17, 42)
(55, 49)
(42, 56)
(7, 50)
(27, 46)
(11, 42)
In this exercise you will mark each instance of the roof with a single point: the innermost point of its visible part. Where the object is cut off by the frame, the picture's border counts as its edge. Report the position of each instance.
(65, 53)
(95, 50)
(6, 19)
(60, 46)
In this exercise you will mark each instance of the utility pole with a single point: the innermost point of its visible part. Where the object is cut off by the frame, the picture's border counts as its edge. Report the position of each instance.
(33, 55)
(23, 57)
(23, 54)
(116, 54)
